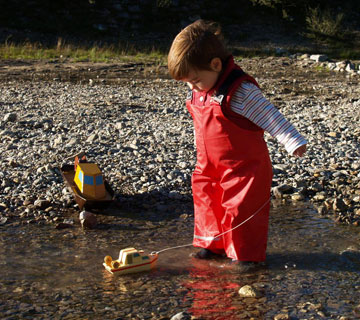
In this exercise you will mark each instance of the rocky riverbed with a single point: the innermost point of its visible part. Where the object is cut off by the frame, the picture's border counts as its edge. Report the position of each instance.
(131, 119)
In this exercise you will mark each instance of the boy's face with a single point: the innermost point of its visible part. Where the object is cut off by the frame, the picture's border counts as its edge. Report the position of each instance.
(201, 80)
(204, 80)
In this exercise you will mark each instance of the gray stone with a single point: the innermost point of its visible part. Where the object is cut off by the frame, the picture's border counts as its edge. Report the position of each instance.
(305, 56)
(10, 117)
(339, 205)
(319, 57)
(181, 316)
(87, 219)
(322, 210)
(63, 225)
(248, 291)
(350, 67)
(282, 316)
(42, 204)
(92, 138)
(279, 191)
(331, 65)
(3, 220)
(297, 197)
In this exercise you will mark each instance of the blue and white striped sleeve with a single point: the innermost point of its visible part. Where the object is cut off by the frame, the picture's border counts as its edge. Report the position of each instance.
(249, 102)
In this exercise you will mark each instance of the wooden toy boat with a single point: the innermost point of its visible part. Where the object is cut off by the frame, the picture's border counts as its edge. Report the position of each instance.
(130, 261)
(86, 201)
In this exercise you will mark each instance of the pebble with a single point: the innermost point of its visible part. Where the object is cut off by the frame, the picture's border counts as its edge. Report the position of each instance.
(63, 225)
(282, 316)
(181, 316)
(42, 204)
(297, 197)
(248, 291)
(279, 191)
(10, 117)
(3, 220)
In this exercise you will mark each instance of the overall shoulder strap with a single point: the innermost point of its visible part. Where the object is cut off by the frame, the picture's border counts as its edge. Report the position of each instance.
(227, 84)
(225, 93)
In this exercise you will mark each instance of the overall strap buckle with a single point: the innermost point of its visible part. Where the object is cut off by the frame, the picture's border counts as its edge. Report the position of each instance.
(225, 86)
(219, 98)
(189, 95)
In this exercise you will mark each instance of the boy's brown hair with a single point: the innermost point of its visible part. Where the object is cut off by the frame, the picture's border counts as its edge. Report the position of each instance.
(194, 48)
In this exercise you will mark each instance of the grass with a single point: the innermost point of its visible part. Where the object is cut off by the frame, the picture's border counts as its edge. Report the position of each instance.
(75, 53)
(324, 23)
(130, 53)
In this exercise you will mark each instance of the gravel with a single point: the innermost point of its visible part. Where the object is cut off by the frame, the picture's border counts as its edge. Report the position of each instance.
(139, 132)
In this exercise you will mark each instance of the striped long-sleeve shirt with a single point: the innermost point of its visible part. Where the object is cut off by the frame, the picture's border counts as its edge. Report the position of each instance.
(249, 102)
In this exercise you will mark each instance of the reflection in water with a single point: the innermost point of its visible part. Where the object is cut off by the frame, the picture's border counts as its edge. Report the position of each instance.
(213, 292)
(313, 268)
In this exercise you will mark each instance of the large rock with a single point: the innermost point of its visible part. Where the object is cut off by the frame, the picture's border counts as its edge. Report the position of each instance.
(248, 291)
(87, 219)
(319, 57)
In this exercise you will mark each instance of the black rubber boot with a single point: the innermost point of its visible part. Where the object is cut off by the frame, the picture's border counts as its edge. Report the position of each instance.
(207, 254)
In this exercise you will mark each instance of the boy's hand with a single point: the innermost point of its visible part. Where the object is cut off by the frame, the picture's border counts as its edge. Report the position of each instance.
(299, 152)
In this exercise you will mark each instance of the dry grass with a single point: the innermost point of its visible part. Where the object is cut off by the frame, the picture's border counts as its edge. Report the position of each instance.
(63, 51)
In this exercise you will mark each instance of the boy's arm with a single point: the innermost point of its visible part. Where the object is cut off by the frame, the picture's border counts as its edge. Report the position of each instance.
(299, 152)
(249, 102)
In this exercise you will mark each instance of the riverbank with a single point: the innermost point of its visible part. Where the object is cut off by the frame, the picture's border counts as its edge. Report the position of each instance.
(130, 118)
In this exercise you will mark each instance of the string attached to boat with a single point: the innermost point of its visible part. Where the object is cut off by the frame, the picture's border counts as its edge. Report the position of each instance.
(221, 234)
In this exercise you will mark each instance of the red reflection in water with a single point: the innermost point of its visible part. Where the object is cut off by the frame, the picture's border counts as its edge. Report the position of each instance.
(212, 291)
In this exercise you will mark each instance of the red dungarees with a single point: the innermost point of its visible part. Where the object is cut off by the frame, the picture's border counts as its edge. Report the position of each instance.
(232, 177)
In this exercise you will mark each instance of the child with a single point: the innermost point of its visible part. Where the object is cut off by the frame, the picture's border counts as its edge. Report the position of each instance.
(232, 178)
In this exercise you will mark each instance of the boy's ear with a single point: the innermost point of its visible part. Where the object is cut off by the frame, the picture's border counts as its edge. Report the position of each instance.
(216, 64)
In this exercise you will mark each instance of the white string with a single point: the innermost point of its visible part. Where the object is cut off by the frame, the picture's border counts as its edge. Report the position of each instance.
(221, 234)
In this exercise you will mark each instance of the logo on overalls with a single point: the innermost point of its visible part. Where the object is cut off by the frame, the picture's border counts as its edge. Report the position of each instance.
(218, 98)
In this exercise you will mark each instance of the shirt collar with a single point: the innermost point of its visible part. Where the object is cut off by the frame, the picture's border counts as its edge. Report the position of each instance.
(228, 66)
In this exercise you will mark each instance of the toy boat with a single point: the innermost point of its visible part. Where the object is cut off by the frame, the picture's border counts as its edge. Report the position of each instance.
(85, 181)
(130, 261)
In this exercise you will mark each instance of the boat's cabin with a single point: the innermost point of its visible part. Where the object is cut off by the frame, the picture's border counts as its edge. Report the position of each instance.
(89, 179)
(131, 256)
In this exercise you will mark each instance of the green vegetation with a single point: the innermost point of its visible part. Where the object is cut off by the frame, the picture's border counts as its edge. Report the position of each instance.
(124, 53)
(324, 23)
(74, 53)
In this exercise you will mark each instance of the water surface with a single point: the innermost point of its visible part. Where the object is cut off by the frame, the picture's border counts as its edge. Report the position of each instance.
(312, 271)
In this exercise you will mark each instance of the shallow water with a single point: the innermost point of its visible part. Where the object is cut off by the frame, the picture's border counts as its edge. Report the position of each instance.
(310, 272)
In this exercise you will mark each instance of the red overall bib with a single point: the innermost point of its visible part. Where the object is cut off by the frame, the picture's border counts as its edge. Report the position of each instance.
(232, 177)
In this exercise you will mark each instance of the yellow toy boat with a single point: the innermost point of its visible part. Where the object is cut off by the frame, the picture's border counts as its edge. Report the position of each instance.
(86, 182)
(130, 261)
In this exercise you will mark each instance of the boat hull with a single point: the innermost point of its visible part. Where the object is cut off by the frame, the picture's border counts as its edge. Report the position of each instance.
(134, 268)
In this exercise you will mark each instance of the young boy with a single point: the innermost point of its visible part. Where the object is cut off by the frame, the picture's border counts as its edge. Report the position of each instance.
(232, 178)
